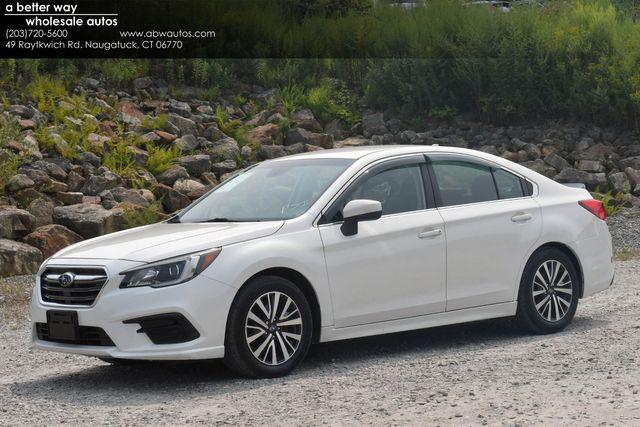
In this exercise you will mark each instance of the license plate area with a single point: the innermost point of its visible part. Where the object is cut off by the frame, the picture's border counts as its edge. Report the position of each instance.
(63, 325)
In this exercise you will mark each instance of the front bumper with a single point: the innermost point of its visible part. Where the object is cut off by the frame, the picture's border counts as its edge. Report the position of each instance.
(202, 301)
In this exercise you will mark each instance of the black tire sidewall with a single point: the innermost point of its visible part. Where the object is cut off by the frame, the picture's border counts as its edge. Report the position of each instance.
(236, 344)
(526, 306)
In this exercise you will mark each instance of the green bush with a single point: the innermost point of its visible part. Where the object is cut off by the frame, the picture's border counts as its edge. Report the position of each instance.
(160, 158)
(136, 217)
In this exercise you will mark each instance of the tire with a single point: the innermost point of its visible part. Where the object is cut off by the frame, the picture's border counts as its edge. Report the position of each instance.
(121, 362)
(544, 305)
(268, 348)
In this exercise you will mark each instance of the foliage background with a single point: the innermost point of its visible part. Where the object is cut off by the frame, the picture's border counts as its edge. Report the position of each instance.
(571, 59)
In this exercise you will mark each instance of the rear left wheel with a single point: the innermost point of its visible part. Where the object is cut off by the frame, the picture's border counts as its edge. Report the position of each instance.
(549, 292)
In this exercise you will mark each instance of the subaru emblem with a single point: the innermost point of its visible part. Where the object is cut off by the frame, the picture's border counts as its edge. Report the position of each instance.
(66, 279)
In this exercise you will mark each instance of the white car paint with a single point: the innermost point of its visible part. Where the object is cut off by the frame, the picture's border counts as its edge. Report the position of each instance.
(384, 279)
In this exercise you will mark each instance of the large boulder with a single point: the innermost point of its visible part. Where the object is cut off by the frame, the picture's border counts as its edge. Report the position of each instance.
(590, 166)
(634, 180)
(269, 134)
(172, 200)
(271, 151)
(181, 108)
(195, 165)
(630, 162)
(15, 223)
(301, 135)
(49, 239)
(305, 119)
(128, 195)
(88, 220)
(556, 161)
(373, 124)
(96, 184)
(173, 174)
(19, 182)
(190, 188)
(186, 143)
(18, 258)
(184, 125)
(590, 180)
(618, 182)
(221, 168)
(42, 209)
(224, 149)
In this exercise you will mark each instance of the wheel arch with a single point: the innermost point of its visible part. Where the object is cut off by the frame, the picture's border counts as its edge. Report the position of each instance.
(302, 283)
(569, 253)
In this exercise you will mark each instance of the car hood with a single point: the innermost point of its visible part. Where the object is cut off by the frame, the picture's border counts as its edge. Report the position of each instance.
(166, 240)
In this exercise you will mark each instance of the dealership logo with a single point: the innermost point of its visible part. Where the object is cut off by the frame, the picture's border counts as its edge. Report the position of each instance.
(66, 279)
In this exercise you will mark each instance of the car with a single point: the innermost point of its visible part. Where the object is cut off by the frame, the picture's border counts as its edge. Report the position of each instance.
(325, 246)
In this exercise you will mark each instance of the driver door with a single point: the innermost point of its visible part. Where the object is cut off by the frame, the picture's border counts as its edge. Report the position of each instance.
(394, 267)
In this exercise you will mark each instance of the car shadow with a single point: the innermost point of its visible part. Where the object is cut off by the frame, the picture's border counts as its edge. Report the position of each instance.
(156, 382)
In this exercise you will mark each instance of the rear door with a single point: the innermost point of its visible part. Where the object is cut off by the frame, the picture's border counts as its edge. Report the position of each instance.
(491, 223)
(394, 267)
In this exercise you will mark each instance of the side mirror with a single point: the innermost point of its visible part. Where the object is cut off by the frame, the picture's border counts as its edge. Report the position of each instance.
(359, 210)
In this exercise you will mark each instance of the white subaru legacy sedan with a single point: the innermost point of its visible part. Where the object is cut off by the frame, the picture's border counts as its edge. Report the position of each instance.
(325, 246)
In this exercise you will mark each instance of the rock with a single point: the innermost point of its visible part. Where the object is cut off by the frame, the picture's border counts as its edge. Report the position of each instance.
(212, 133)
(173, 174)
(556, 161)
(618, 182)
(147, 195)
(189, 187)
(127, 195)
(49, 239)
(224, 149)
(26, 146)
(75, 181)
(178, 107)
(184, 125)
(591, 180)
(541, 167)
(69, 198)
(269, 134)
(142, 83)
(596, 152)
(373, 124)
(165, 137)
(107, 200)
(150, 137)
(634, 178)
(355, 141)
(98, 143)
(139, 155)
(20, 110)
(301, 135)
(335, 129)
(409, 137)
(226, 166)
(15, 223)
(18, 258)
(195, 165)
(27, 124)
(90, 158)
(172, 200)
(50, 168)
(271, 151)
(186, 143)
(589, 166)
(96, 184)
(147, 179)
(489, 149)
(42, 209)
(88, 220)
(19, 182)
(305, 119)
(295, 148)
(209, 179)
(630, 162)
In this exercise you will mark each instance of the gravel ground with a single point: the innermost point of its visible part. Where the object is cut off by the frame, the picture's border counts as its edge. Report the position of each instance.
(481, 373)
(625, 230)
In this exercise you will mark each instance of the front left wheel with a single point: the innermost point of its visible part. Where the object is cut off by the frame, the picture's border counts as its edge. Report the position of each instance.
(270, 328)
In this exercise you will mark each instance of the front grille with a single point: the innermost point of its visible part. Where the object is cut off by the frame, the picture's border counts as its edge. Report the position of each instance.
(87, 335)
(84, 289)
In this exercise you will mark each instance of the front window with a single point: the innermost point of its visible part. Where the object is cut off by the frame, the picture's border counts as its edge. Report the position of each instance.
(272, 191)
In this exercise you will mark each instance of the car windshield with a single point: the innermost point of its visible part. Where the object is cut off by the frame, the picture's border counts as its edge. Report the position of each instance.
(270, 191)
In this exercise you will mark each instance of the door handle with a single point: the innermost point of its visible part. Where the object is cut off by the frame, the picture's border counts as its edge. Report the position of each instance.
(521, 217)
(434, 232)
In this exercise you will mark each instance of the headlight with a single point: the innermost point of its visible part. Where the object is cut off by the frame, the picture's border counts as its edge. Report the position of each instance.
(169, 272)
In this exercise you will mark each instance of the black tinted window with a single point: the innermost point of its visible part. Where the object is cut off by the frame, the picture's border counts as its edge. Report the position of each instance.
(400, 189)
(509, 185)
(463, 182)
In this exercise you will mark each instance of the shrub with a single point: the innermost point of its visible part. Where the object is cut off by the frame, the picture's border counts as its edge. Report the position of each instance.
(160, 158)
(119, 159)
(136, 216)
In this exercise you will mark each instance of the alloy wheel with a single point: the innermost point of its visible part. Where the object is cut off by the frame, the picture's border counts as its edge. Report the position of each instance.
(552, 290)
(273, 328)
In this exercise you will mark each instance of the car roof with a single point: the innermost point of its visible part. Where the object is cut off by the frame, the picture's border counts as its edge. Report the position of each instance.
(381, 151)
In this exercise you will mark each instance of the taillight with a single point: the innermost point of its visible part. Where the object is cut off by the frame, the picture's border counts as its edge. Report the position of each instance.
(594, 206)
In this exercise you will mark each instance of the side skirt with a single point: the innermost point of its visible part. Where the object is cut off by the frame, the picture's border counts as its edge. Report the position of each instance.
(493, 311)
